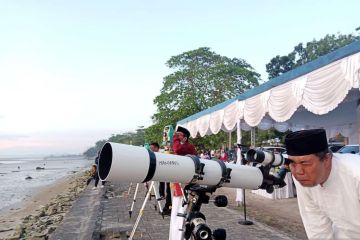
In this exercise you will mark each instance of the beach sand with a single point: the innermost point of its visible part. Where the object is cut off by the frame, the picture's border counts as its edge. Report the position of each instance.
(13, 217)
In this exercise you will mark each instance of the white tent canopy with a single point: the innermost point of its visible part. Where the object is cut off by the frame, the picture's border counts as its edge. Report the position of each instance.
(321, 94)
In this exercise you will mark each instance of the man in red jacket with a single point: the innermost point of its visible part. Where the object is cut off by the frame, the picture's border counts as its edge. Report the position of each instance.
(182, 147)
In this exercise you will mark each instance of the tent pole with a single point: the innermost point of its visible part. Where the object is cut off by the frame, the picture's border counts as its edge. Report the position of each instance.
(241, 161)
(229, 140)
(252, 136)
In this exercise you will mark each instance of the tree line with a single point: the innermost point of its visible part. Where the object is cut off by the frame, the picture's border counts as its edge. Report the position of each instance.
(201, 78)
(131, 138)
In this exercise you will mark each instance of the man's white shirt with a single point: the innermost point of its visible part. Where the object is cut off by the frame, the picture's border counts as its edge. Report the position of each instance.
(332, 211)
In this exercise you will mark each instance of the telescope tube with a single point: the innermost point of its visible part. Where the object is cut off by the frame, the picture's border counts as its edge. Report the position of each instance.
(126, 163)
(265, 158)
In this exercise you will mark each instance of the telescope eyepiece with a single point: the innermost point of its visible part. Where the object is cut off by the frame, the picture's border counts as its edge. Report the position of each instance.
(203, 234)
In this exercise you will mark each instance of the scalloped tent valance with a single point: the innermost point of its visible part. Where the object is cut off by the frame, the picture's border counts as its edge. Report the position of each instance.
(325, 97)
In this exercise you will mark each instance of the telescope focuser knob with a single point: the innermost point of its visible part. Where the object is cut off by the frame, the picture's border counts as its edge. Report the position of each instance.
(219, 234)
(221, 201)
(269, 188)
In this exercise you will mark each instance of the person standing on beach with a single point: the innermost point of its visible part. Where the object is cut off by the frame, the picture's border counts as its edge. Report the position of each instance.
(327, 185)
(93, 175)
(181, 146)
(97, 174)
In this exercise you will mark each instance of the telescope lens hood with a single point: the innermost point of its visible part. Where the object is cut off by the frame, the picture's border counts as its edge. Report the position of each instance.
(105, 161)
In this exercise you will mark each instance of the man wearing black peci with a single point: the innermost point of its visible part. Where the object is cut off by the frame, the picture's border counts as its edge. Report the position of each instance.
(327, 185)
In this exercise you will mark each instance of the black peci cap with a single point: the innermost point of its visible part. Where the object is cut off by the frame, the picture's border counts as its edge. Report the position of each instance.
(184, 131)
(306, 142)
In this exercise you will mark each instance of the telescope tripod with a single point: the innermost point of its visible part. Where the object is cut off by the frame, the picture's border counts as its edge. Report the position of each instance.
(195, 226)
(149, 189)
(153, 187)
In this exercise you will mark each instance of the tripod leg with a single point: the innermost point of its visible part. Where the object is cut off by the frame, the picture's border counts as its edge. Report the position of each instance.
(129, 189)
(134, 200)
(141, 212)
(157, 196)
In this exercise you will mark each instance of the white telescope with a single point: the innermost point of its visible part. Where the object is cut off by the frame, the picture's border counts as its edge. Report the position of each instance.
(265, 158)
(126, 163)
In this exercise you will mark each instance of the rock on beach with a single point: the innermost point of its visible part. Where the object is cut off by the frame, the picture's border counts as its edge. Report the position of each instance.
(47, 217)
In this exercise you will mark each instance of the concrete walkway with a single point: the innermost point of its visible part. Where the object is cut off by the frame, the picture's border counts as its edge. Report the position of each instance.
(104, 214)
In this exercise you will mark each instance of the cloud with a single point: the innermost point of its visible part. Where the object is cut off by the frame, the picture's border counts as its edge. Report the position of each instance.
(51, 142)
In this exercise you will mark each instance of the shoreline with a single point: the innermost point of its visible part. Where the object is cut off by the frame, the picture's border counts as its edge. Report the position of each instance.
(23, 218)
(27, 200)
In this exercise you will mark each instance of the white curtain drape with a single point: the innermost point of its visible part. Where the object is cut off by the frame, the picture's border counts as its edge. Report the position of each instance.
(319, 92)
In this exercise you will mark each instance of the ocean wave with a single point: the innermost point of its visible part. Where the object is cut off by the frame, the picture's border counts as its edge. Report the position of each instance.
(10, 162)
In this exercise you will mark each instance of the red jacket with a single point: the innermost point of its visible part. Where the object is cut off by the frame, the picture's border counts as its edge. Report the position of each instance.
(224, 157)
(181, 149)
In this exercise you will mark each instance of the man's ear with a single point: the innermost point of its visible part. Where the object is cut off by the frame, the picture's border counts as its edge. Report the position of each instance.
(328, 157)
(185, 139)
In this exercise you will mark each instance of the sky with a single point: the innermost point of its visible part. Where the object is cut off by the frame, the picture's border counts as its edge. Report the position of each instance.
(75, 72)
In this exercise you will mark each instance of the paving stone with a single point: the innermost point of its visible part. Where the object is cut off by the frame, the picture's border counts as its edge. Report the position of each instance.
(104, 214)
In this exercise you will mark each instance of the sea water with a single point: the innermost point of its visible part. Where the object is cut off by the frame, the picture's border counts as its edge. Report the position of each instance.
(19, 178)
